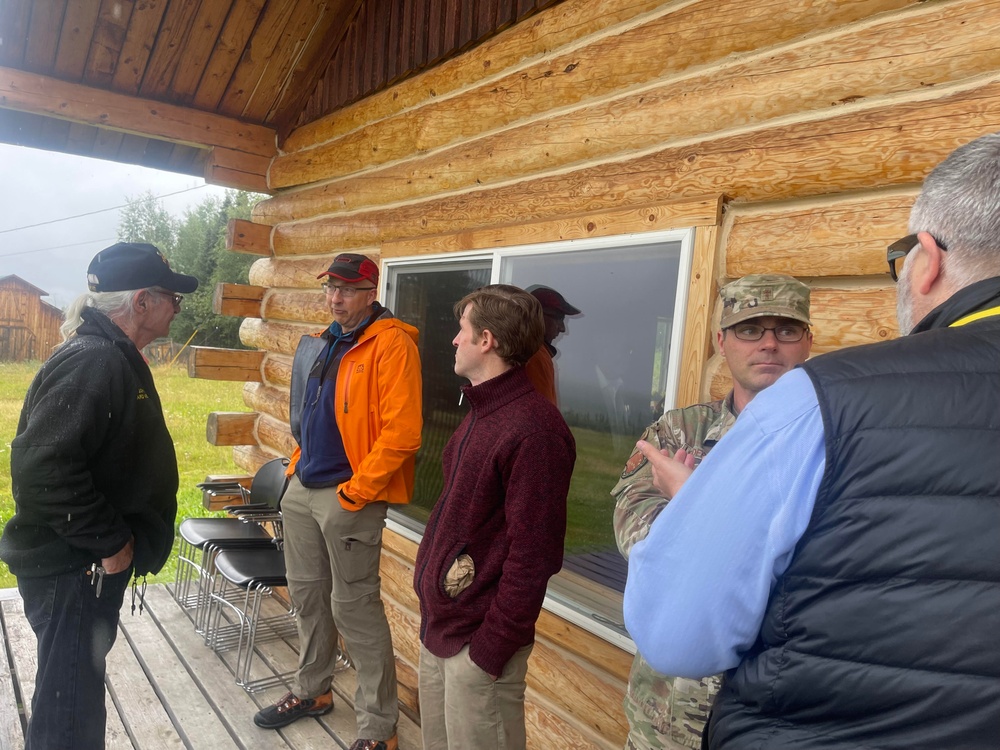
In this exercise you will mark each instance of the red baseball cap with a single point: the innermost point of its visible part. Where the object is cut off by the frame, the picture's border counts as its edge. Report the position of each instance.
(352, 267)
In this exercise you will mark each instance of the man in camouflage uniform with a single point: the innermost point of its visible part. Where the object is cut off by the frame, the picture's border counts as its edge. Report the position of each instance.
(671, 712)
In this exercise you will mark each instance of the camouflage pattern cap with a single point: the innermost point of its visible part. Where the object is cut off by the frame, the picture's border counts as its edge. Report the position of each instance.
(764, 294)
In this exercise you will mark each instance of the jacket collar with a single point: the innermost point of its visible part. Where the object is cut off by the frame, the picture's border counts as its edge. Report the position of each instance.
(982, 294)
(99, 325)
(496, 392)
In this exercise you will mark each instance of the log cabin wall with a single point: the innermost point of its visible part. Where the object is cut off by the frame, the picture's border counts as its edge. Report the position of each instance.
(29, 326)
(792, 135)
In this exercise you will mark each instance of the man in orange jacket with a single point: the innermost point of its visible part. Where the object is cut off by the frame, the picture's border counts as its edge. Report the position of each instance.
(355, 414)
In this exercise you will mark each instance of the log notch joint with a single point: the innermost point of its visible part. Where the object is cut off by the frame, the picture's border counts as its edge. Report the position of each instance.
(237, 300)
(244, 236)
(210, 363)
(231, 428)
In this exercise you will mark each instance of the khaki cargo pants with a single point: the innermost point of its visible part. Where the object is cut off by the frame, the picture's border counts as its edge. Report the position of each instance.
(332, 560)
(463, 708)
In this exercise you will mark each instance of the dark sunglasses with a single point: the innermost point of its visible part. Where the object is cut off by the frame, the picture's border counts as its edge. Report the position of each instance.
(900, 248)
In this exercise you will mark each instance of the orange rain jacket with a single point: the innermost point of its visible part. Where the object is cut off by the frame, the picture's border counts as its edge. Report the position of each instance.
(378, 395)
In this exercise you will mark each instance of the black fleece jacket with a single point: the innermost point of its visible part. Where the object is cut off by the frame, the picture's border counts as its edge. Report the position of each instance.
(92, 463)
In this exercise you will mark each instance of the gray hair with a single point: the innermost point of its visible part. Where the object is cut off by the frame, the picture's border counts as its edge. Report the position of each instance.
(116, 305)
(959, 205)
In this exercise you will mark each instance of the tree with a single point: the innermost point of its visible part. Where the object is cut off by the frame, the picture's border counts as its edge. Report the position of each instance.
(196, 245)
(144, 220)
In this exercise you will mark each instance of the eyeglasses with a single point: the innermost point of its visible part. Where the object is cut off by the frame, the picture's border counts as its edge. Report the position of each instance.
(345, 291)
(175, 298)
(787, 333)
(900, 248)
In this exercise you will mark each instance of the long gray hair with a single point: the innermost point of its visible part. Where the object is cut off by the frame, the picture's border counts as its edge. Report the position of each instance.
(116, 305)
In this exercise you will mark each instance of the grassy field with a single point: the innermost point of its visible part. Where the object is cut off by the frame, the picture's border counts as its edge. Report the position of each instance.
(186, 404)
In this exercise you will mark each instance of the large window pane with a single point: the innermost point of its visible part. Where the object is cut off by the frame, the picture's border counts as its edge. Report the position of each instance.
(613, 364)
(424, 296)
(611, 375)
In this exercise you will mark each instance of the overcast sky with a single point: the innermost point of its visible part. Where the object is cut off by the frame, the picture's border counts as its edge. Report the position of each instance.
(39, 187)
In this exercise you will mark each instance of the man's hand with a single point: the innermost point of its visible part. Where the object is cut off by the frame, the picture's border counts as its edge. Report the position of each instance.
(669, 472)
(120, 560)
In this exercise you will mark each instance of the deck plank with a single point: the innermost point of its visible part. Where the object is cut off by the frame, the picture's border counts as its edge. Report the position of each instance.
(189, 710)
(23, 648)
(231, 703)
(11, 731)
(278, 656)
(22, 642)
(144, 716)
(172, 691)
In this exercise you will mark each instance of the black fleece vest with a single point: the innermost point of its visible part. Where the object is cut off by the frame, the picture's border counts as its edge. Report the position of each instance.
(884, 632)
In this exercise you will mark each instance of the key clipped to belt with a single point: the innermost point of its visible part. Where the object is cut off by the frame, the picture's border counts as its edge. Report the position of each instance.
(97, 578)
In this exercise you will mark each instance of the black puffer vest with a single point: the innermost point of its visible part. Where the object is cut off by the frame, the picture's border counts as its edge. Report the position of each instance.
(884, 632)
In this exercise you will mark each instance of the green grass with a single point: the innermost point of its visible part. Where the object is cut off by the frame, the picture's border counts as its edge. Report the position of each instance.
(590, 506)
(186, 405)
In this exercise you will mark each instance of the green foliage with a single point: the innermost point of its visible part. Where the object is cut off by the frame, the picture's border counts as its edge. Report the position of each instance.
(144, 220)
(186, 405)
(196, 245)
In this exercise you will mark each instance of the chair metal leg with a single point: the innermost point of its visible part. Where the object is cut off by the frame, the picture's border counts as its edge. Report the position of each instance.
(247, 631)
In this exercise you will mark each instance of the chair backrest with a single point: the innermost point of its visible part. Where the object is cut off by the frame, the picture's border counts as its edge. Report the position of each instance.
(269, 482)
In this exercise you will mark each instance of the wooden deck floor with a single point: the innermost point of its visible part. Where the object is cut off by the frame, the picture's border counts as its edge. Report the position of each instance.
(166, 689)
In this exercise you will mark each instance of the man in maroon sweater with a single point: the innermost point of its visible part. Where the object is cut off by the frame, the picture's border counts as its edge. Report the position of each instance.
(495, 536)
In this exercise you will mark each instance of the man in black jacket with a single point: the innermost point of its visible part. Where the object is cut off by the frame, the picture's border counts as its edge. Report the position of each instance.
(95, 487)
(846, 526)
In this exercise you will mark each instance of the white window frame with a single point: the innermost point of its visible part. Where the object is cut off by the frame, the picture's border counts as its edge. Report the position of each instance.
(555, 603)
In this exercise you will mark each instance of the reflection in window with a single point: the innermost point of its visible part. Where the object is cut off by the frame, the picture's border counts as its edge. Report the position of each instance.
(424, 296)
(613, 375)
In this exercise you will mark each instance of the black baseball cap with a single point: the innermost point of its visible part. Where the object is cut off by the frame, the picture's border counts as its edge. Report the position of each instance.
(352, 267)
(135, 265)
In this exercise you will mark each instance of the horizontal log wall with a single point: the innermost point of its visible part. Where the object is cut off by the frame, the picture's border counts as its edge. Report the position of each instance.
(793, 135)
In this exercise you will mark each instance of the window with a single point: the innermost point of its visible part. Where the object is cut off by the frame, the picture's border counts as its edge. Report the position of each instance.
(616, 372)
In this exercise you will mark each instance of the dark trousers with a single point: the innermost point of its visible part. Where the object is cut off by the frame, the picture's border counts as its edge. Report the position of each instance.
(75, 630)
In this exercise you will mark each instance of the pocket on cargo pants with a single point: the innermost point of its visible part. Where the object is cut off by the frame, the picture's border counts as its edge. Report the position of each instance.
(358, 555)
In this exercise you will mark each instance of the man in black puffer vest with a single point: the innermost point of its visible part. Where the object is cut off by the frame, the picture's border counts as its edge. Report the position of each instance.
(846, 528)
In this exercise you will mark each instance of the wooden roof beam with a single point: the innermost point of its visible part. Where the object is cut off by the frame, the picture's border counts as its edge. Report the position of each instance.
(42, 95)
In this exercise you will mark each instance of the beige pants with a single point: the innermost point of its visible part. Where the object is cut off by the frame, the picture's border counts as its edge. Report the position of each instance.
(332, 559)
(461, 707)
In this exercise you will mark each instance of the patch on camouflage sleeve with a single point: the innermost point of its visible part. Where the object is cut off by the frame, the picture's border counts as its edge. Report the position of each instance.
(635, 462)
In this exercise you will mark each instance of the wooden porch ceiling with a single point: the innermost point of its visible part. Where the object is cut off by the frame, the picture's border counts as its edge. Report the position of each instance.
(210, 87)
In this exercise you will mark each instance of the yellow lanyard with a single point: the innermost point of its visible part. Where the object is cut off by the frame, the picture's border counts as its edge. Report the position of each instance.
(991, 312)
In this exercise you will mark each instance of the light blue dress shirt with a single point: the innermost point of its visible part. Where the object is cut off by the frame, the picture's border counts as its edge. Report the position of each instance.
(699, 583)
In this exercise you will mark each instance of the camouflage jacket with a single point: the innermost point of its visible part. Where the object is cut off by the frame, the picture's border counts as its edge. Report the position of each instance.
(665, 712)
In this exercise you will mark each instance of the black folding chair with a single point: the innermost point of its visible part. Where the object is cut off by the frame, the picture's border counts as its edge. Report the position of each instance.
(246, 580)
(203, 538)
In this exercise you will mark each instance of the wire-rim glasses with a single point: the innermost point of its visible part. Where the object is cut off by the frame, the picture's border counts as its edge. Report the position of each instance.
(345, 291)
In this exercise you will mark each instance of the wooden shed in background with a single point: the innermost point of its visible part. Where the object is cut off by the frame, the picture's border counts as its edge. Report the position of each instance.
(751, 135)
(29, 326)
